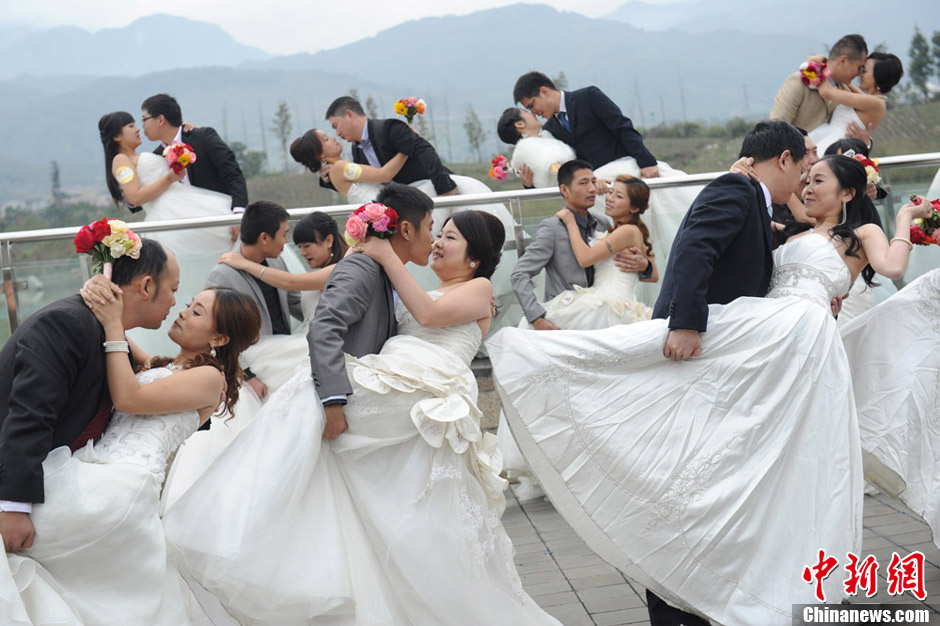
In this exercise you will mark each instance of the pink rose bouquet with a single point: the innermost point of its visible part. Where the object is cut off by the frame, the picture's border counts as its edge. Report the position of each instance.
(499, 168)
(179, 156)
(813, 73)
(409, 107)
(370, 220)
(107, 240)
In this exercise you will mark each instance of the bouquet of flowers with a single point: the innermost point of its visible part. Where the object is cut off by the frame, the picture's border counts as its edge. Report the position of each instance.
(107, 240)
(813, 73)
(871, 167)
(409, 107)
(370, 220)
(924, 229)
(499, 168)
(179, 156)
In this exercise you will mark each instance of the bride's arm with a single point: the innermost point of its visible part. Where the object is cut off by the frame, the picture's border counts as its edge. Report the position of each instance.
(870, 108)
(622, 237)
(192, 389)
(890, 258)
(467, 302)
(136, 194)
(308, 281)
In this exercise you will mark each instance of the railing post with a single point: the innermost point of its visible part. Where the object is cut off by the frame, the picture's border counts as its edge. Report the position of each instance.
(9, 283)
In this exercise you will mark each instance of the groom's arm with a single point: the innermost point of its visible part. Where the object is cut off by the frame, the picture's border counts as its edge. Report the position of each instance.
(226, 165)
(405, 140)
(788, 100)
(619, 126)
(536, 256)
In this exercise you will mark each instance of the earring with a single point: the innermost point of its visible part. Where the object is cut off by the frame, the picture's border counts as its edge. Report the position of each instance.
(212, 350)
(844, 212)
(473, 263)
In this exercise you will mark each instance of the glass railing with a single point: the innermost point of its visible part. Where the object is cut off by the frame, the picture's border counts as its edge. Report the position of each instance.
(41, 266)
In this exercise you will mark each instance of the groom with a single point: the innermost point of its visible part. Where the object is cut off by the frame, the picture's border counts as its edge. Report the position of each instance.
(377, 141)
(721, 252)
(356, 312)
(53, 383)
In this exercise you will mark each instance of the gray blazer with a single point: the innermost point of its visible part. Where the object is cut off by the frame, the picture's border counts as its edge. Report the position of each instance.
(550, 250)
(355, 315)
(225, 276)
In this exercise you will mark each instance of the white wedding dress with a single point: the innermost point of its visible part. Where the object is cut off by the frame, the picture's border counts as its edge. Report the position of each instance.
(834, 130)
(99, 557)
(395, 522)
(894, 351)
(713, 481)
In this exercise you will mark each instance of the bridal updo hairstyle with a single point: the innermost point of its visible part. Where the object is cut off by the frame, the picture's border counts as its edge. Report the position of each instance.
(506, 126)
(888, 70)
(315, 228)
(236, 316)
(485, 236)
(109, 127)
(639, 194)
(307, 150)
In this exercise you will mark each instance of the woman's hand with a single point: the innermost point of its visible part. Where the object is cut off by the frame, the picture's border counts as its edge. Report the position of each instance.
(188, 128)
(379, 250)
(174, 177)
(825, 90)
(98, 290)
(234, 259)
(745, 167)
(566, 216)
(921, 208)
(110, 313)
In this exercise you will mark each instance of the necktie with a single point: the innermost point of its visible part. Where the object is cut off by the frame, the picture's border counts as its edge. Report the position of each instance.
(96, 426)
(563, 118)
(589, 270)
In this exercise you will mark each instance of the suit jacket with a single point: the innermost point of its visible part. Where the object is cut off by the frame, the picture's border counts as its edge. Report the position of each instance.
(722, 251)
(801, 106)
(225, 276)
(52, 383)
(600, 132)
(550, 250)
(355, 315)
(391, 136)
(215, 167)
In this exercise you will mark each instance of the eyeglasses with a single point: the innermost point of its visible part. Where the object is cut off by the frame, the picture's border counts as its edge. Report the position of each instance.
(144, 119)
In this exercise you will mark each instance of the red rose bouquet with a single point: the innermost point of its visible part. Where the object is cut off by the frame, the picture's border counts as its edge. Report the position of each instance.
(179, 156)
(924, 230)
(107, 240)
(370, 220)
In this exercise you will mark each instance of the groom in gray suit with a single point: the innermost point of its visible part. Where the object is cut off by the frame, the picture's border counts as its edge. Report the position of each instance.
(356, 312)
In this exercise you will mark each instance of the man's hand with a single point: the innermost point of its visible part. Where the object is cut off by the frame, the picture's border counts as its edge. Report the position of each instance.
(17, 530)
(234, 231)
(335, 421)
(543, 324)
(527, 176)
(871, 191)
(682, 344)
(260, 389)
(745, 167)
(836, 305)
(631, 260)
(854, 129)
(651, 171)
(452, 192)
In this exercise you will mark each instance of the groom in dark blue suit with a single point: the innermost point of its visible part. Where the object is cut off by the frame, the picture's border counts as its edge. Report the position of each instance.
(585, 119)
(723, 251)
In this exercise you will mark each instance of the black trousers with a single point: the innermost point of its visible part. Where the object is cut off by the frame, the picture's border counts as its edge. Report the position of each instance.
(661, 614)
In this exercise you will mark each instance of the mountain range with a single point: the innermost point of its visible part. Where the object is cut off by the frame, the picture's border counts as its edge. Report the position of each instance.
(697, 61)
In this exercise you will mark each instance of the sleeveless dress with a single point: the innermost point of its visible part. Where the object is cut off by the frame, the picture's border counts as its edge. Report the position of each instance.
(395, 522)
(99, 557)
(834, 130)
(713, 481)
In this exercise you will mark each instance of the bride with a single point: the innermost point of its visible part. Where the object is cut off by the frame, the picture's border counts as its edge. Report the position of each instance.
(397, 520)
(865, 105)
(99, 557)
(144, 180)
(679, 472)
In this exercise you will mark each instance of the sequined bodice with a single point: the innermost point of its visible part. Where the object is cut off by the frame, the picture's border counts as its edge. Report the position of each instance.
(146, 440)
(809, 267)
(462, 340)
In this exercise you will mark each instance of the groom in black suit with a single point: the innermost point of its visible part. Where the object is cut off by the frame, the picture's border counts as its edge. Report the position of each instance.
(585, 119)
(377, 141)
(723, 251)
(215, 167)
(53, 383)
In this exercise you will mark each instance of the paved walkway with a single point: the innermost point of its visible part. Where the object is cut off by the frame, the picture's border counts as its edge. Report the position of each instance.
(572, 583)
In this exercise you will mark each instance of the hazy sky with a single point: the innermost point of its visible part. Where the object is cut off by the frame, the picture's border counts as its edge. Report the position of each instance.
(276, 26)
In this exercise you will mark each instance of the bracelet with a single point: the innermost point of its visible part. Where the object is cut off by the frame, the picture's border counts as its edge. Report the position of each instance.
(910, 246)
(263, 270)
(116, 346)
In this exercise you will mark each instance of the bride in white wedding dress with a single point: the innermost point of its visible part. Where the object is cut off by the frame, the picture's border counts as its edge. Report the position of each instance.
(714, 481)
(397, 520)
(865, 105)
(99, 557)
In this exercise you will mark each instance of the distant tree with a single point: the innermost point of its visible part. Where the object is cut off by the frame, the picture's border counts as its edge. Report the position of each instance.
(738, 126)
(282, 128)
(476, 135)
(935, 52)
(422, 128)
(561, 81)
(372, 108)
(920, 67)
(58, 196)
(880, 47)
(251, 162)
(354, 93)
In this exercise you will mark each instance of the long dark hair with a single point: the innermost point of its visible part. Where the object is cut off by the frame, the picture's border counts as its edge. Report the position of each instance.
(236, 316)
(316, 227)
(639, 194)
(860, 210)
(485, 236)
(307, 150)
(109, 127)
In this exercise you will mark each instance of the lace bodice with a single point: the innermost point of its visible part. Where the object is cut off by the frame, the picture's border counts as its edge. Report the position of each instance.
(809, 267)
(145, 440)
(463, 340)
